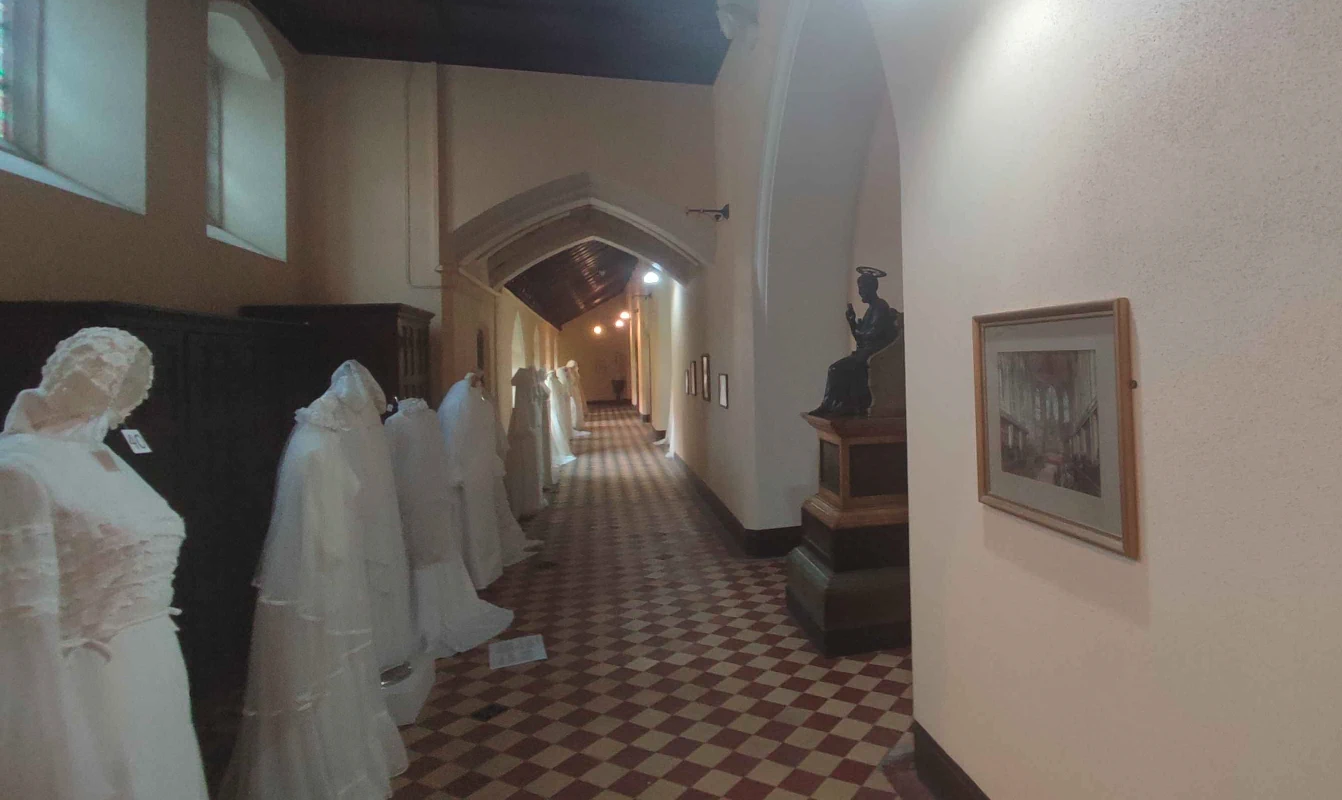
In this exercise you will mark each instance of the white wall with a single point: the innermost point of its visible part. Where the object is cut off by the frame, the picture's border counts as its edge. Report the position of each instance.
(1184, 155)
(61, 246)
(877, 240)
(603, 358)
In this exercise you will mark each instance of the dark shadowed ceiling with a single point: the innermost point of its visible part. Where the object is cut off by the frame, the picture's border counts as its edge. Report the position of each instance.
(657, 40)
(565, 286)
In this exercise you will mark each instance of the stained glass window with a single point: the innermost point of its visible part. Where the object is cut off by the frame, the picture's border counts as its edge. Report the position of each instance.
(6, 70)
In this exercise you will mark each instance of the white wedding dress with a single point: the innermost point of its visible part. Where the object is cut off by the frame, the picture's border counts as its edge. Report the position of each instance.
(315, 722)
(94, 702)
(561, 421)
(547, 441)
(472, 469)
(523, 465)
(577, 398)
(451, 618)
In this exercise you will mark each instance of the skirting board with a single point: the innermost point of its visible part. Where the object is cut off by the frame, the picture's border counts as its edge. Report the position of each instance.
(647, 418)
(657, 435)
(766, 543)
(939, 772)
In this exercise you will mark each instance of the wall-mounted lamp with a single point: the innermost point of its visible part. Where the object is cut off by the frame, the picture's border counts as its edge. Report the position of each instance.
(598, 330)
(619, 323)
(652, 277)
(718, 214)
(625, 315)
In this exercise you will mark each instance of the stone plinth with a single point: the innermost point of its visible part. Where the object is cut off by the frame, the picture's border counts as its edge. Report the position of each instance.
(848, 582)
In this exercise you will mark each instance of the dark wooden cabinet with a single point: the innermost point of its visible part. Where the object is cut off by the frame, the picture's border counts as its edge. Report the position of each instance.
(390, 339)
(217, 417)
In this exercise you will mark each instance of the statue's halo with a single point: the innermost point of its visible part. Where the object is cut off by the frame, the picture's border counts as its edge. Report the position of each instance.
(873, 272)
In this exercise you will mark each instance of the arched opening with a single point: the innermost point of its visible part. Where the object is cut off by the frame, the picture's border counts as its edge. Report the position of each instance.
(511, 237)
(829, 93)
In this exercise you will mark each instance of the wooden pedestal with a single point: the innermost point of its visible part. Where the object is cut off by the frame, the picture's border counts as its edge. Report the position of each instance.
(848, 582)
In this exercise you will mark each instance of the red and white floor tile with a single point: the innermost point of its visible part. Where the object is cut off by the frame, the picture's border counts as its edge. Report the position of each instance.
(674, 670)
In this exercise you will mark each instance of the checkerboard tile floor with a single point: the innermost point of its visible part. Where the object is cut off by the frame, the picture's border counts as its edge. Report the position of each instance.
(674, 670)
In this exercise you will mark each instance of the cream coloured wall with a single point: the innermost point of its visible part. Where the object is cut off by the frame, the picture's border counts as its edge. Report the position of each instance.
(60, 246)
(1183, 155)
(370, 184)
(603, 358)
(510, 131)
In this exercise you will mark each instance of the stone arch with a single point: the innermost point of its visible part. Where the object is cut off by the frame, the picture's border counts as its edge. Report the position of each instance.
(829, 86)
(238, 38)
(519, 232)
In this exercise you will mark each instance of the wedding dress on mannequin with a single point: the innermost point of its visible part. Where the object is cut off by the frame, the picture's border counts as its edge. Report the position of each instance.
(561, 422)
(516, 546)
(92, 684)
(523, 465)
(470, 439)
(547, 440)
(450, 616)
(315, 722)
(577, 397)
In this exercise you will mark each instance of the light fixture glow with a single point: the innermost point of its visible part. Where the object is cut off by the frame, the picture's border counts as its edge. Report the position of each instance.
(651, 277)
(598, 330)
(624, 315)
(619, 323)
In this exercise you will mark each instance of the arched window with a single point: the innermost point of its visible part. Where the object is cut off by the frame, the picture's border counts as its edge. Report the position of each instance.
(246, 186)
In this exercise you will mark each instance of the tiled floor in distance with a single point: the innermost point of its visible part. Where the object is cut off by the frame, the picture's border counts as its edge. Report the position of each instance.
(674, 669)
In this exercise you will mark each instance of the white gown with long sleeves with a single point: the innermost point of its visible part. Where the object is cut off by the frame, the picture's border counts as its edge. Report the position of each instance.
(94, 702)
(577, 397)
(523, 466)
(547, 440)
(450, 616)
(315, 724)
(468, 433)
(516, 546)
(561, 421)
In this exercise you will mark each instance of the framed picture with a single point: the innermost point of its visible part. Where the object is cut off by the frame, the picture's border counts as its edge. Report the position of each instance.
(694, 377)
(707, 375)
(1053, 397)
(722, 389)
(688, 388)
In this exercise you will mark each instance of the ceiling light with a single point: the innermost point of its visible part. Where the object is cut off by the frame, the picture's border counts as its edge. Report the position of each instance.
(624, 315)
(598, 330)
(619, 323)
(651, 277)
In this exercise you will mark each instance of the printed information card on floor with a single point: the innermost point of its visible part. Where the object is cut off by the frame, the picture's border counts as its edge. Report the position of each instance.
(517, 651)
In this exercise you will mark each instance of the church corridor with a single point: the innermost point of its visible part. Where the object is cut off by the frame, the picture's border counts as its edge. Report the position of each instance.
(674, 670)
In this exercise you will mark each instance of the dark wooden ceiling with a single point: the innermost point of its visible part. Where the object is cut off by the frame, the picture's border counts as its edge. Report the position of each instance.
(565, 286)
(678, 41)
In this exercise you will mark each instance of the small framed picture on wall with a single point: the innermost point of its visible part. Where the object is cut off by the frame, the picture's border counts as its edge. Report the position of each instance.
(1054, 398)
(722, 389)
(687, 383)
(707, 377)
(694, 377)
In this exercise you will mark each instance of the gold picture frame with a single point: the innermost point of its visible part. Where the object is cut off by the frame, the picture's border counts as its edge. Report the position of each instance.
(1054, 420)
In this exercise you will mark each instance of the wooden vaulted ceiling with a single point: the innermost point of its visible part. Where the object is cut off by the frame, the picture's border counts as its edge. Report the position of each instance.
(567, 285)
(678, 41)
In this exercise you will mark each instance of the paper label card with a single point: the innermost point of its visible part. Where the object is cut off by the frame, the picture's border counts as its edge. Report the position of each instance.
(517, 651)
(136, 441)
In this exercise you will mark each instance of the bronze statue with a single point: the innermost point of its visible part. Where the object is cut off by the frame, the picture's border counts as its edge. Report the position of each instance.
(846, 391)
